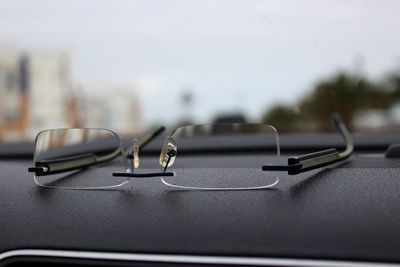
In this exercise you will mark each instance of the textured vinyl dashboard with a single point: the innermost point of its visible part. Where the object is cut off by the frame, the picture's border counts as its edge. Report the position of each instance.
(347, 212)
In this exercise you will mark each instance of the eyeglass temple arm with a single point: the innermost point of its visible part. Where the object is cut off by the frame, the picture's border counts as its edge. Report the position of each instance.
(83, 161)
(318, 159)
(150, 137)
(60, 165)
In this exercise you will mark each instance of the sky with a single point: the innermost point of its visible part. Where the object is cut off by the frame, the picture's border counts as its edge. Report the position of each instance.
(232, 55)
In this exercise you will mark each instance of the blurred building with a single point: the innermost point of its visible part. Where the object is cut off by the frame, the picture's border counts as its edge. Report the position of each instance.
(51, 101)
(13, 95)
(111, 106)
(35, 93)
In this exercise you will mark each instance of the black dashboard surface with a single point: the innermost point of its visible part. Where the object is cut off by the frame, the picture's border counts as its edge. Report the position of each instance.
(348, 212)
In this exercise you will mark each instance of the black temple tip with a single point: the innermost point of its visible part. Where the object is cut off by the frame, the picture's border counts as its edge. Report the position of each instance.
(275, 168)
(337, 119)
(35, 169)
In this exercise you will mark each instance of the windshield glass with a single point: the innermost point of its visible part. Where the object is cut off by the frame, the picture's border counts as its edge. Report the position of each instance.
(131, 65)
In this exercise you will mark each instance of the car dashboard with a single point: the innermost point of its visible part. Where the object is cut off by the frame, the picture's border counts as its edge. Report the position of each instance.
(346, 214)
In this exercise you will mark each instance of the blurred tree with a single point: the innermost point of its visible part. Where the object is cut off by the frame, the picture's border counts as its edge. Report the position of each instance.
(283, 117)
(187, 100)
(345, 93)
(393, 83)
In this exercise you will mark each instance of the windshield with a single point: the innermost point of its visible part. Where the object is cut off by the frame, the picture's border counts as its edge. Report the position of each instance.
(131, 65)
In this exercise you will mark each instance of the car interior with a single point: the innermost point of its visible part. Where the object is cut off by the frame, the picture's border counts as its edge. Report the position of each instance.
(199, 133)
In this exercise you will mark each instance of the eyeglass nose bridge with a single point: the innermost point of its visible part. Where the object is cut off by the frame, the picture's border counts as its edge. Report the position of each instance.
(167, 157)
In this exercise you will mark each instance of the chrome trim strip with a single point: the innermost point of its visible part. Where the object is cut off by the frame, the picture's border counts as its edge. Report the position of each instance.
(216, 260)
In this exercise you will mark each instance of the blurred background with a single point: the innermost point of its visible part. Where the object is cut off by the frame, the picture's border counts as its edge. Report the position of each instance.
(132, 65)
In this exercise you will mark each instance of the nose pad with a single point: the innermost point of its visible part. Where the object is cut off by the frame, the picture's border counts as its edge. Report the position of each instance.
(133, 156)
(136, 153)
(168, 153)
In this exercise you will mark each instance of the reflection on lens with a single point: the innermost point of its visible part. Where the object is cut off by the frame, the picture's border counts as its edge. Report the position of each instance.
(65, 153)
(211, 176)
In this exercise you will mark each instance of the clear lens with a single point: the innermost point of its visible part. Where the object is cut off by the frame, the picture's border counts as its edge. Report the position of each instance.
(78, 158)
(135, 154)
(217, 173)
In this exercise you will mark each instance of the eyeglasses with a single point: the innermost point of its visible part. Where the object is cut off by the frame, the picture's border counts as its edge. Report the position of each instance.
(61, 155)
